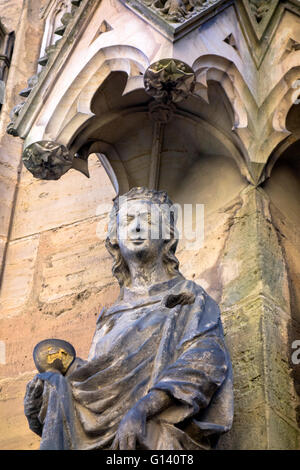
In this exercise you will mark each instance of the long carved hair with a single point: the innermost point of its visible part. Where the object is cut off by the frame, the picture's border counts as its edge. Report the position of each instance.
(120, 269)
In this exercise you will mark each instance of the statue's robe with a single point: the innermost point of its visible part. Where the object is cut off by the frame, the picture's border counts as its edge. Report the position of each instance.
(141, 345)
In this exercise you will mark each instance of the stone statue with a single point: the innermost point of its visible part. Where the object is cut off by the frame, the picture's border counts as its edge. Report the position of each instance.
(158, 375)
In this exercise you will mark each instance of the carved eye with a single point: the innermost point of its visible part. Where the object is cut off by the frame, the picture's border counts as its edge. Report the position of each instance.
(130, 218)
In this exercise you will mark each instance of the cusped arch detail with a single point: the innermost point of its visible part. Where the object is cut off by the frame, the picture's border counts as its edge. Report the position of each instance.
(74, 102)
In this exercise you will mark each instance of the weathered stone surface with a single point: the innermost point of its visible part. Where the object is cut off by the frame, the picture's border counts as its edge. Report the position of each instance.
(73, 260)
(7, 192)
(74, 197)
(283, 435)
(13, 423)
(2, 248)
(256, 333)
(256, 312)
(63, 320)
(23, 18)
(203, 264)
(10, 13)
(265, 269)
(289, 237)
(19, 275)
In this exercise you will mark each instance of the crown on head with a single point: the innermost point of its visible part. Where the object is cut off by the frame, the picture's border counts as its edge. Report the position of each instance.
(138, 193)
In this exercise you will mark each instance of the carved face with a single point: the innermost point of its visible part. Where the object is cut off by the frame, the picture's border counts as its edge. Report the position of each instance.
(139, 230)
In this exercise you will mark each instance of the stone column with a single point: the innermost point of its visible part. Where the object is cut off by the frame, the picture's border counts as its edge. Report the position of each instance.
(256, 315)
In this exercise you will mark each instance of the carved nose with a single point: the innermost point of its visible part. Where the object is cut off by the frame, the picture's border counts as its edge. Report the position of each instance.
(138, 225)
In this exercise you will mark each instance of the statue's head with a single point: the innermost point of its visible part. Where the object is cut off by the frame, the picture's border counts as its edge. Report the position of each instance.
(142, 228)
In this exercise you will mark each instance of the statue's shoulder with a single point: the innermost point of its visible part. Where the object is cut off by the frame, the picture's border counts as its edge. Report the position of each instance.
(200, 296)
(196, 289)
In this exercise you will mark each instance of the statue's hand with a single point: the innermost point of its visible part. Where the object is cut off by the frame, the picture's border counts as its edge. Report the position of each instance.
(32, 403)
(131, 430)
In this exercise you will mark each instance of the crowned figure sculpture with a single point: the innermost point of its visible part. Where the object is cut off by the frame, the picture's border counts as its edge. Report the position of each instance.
(158, 375)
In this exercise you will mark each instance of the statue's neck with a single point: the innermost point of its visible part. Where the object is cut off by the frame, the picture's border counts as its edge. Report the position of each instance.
(144, 275)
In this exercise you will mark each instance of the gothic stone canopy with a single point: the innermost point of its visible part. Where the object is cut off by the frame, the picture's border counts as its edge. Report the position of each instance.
(89, 95)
